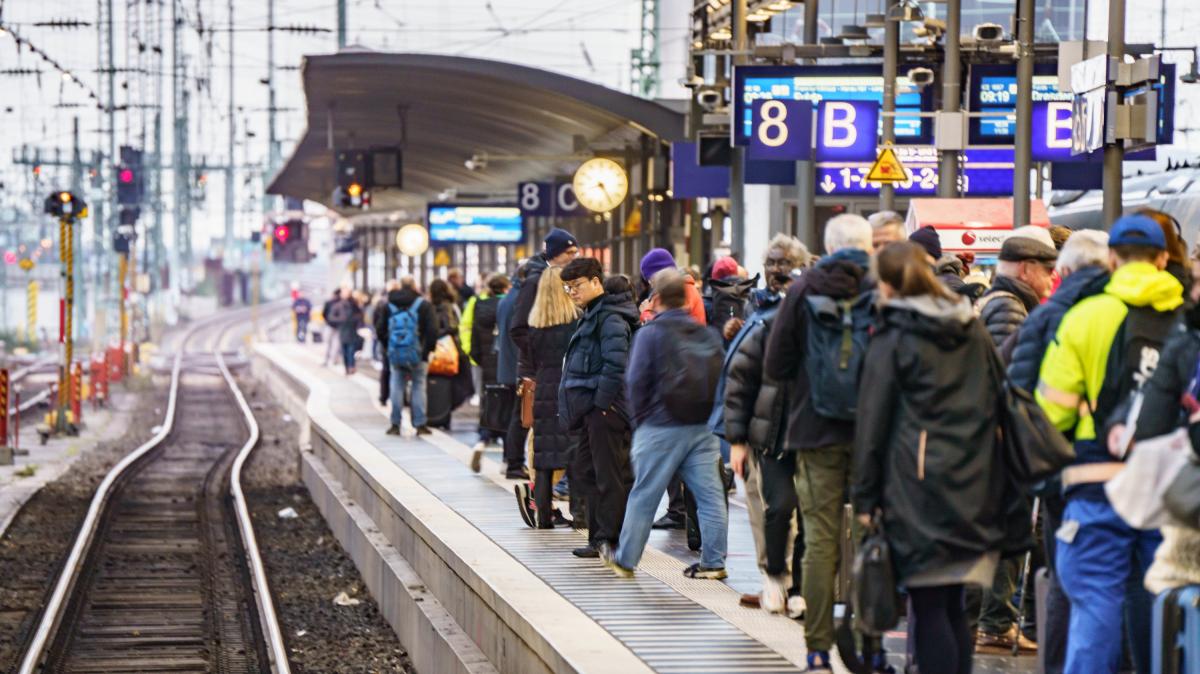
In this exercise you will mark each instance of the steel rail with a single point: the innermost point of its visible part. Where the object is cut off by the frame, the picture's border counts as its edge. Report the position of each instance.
(52, 611)
(258, 575)
(71, 568)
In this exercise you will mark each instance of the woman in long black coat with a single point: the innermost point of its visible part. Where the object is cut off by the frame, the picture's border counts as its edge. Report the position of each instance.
(551, 324)
(925, 455)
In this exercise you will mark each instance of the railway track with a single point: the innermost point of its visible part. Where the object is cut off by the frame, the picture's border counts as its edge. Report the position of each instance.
(165, 574)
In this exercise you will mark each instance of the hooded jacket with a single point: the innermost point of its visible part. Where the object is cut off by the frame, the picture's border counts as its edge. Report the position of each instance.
(753, 402)
(842, 275)
(506, 348)
(1072, 373)
(1005, 306)
(1037, 330)
(594, 366)
(402, 299)
(923, 452)
(519, 327)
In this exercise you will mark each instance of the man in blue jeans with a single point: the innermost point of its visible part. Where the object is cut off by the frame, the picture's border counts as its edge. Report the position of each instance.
(663, 446)
(425, 339)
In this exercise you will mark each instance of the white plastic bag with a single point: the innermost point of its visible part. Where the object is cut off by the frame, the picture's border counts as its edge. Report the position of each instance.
(1136, 493)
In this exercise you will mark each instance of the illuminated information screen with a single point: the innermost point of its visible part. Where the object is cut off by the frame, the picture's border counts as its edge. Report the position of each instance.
(451, 223)
(834, 83)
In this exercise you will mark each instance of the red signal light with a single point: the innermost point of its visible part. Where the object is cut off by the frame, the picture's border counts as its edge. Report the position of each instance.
(283, 233)
(125, 176)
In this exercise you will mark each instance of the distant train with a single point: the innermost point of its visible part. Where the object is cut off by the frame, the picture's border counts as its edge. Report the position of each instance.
(1176, 191)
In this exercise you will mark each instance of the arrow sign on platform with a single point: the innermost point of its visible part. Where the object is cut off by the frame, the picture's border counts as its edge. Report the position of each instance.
(827, 184)
(887, 168)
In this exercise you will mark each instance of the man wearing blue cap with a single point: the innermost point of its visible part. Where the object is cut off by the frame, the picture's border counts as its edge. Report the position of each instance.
(1106, 346)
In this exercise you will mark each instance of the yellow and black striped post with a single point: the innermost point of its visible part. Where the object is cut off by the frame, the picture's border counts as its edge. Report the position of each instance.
(31, 311)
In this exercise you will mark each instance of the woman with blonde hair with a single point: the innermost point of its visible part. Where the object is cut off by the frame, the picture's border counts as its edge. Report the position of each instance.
(552, 321)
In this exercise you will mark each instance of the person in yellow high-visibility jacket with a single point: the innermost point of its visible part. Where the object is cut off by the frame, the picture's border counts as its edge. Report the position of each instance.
(1096, 550)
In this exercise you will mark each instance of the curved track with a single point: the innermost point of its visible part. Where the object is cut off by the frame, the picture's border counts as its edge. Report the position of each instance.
(165, 574)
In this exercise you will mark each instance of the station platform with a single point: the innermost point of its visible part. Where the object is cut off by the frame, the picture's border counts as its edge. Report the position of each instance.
(469, 587)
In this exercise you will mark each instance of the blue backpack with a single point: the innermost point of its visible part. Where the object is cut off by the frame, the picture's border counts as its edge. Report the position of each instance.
(838, 332)
(404, 338)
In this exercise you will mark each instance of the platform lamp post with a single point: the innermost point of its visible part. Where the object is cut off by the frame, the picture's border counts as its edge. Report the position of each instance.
(68, 208)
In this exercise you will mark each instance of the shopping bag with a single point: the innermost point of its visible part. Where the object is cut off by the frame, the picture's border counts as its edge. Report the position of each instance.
(1137, 492)
(444, 361)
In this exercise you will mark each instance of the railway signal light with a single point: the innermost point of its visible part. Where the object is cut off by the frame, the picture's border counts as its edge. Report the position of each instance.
(282, 234)
(65, 205)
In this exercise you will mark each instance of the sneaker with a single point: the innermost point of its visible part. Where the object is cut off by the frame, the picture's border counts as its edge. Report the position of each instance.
(609, 557)
(518, 473)
(393, 430)
(667, 522)
(774, 594)
(993, 643)
(818, 661)
(586, 552)
(424, 430)
(477, 456)
(750, 601)
(796, 606)
(561, 520)
(525, 504)
(705, 573)
(562, 491)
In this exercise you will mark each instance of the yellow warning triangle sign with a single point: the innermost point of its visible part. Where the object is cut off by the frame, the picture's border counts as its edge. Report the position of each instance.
(887, 168)
(441, 258)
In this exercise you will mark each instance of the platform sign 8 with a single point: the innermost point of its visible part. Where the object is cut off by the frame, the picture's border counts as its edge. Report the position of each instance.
(781, 130)
(535, 198)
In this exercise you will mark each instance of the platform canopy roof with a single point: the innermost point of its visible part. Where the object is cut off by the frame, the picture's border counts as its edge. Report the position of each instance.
(445, 109)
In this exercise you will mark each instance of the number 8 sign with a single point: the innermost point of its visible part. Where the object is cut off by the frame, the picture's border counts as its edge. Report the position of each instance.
(781, 130)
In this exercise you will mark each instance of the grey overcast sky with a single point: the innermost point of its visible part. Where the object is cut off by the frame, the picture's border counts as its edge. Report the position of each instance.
(590, 40)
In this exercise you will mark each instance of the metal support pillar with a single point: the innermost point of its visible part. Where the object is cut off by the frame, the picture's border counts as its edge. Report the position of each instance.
(341, 24)
(1114, 153)
(229, 172)
(891, 55)
(1023, 158)
(806, 181)
(737, 169)
(951, 96)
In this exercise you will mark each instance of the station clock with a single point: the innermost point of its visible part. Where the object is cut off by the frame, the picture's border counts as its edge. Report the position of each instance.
(600, 184)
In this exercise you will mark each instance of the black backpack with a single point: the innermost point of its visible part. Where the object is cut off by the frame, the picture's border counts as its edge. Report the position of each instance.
(689, 370)
(729, 301)
(838, 332)
(1132, 358)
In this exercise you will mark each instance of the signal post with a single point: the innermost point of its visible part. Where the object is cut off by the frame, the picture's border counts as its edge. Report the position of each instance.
(68, 208)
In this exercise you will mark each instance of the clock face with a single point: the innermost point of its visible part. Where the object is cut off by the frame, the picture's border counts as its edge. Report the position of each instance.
(600, 184)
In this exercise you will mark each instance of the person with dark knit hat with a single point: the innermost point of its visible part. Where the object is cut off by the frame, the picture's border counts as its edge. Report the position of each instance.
(657, 260)
(558, 248)
(929, 241)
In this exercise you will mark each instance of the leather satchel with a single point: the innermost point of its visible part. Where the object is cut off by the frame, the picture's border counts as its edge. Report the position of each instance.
(526, 392)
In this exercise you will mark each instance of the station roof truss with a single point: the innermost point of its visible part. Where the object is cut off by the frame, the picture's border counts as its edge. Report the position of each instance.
(443, 110)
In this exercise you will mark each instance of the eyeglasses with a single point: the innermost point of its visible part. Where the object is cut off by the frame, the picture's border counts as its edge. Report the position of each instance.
(573, 287)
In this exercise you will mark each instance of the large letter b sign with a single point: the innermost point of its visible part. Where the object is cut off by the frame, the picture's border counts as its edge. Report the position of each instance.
(847, 130)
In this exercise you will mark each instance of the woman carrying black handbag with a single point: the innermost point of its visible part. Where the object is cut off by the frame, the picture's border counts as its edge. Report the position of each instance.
(926, 460)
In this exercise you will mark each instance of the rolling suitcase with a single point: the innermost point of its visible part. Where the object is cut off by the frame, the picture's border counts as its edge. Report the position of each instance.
(1176, 640)
(498, 404)
(439, 401)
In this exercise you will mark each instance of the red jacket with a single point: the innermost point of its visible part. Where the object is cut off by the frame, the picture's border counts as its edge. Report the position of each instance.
(694, 305)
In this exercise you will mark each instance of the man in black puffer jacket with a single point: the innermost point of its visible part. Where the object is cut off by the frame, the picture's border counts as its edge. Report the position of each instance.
(591, 401)
(1022, 281)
